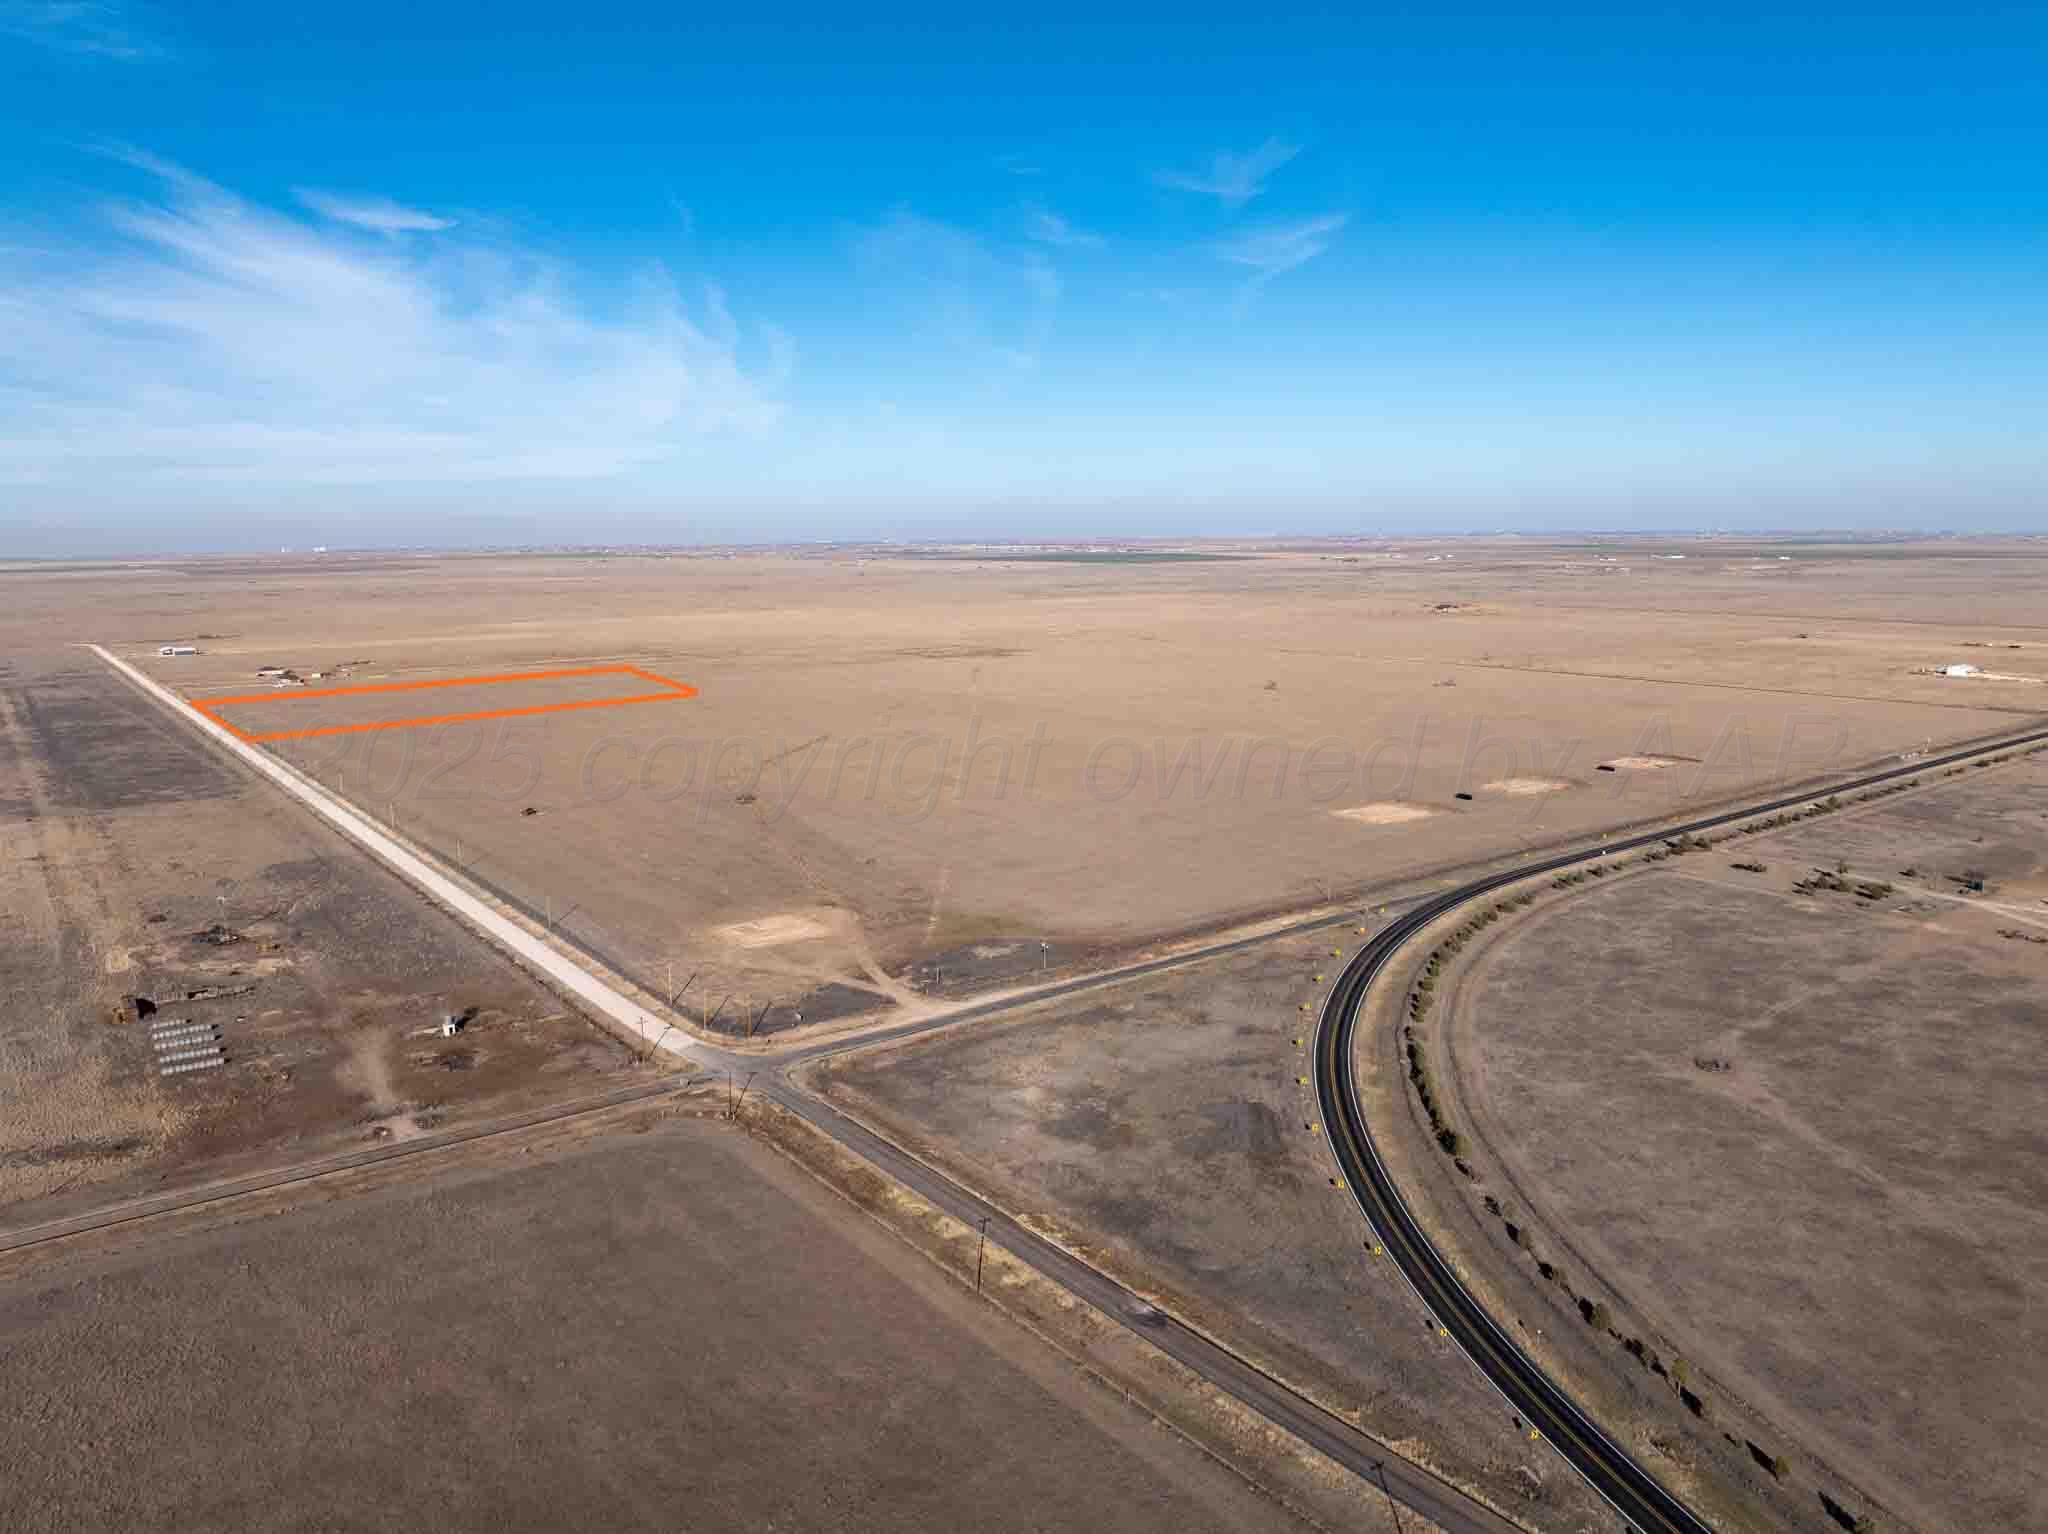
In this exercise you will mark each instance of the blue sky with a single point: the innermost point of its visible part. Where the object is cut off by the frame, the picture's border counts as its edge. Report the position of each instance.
(461, 274)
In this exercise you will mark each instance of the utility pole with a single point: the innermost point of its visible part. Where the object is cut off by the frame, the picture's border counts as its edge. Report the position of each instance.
(980, 1256)
(666, 1029)
(1044, 955)
(1392, 1506)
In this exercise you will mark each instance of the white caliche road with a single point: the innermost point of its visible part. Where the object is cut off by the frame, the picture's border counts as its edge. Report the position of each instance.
(496, 926)
(1400, 1479)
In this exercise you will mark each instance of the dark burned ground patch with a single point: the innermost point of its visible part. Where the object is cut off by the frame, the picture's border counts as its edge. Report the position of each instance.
(822, 1004)
(99, 1148)
(1247, 1129)
(15, 803)
(669, 1329)
(105, 747)
(830, 1002)
(299, 872)
(992, 961)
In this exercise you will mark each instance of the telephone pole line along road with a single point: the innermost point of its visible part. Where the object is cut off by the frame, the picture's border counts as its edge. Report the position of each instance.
(1413, 1485)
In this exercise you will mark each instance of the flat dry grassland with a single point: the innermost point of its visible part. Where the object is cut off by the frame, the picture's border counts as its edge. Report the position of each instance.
(913, 755)
(1800, 1136)
(669, 1329)
(905, 773)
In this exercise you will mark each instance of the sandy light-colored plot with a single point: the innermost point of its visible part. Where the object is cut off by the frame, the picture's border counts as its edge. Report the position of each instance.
(1638, 762)
(1385, 813)
(775, 931)
(1522, 787)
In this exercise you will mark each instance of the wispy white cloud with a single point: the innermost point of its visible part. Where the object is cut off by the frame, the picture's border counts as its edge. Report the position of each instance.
(380, 215)
(1233, 179)
(1050, 228)
(77, 26)
(206, 339)
(1017, 165)
(1278, 248)
(964, 291)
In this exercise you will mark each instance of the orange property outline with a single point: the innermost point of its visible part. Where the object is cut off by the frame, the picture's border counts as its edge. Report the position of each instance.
(673, 691)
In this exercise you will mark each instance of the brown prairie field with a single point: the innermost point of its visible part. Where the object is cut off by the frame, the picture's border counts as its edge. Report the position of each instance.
(896, 760)
(1794, 1137)
(901, 775)
(601, 1330)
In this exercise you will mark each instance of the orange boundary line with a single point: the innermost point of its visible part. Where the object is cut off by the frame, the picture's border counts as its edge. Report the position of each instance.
(674, 692)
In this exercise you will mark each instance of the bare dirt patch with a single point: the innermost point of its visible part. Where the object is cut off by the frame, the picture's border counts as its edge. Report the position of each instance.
(775, 931)
(1641, 763)
(1385, 814)
(1523, 787)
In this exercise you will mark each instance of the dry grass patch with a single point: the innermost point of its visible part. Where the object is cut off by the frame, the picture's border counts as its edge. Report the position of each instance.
(67, 1121)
